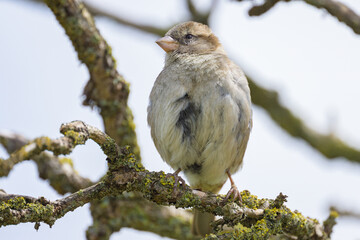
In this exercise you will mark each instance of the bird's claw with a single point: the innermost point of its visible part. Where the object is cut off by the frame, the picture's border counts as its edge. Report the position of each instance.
(233, 192)
(177, 180)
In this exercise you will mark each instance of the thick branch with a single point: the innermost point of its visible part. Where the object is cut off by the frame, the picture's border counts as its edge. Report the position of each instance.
(259, 216)
(106, 89)
(337, 9)
(329, 145)
(158, 187)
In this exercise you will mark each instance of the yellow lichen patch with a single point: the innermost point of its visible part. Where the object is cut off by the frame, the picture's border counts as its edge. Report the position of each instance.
(251, 201)
(68, 161)
(77, 137)
(35, 211)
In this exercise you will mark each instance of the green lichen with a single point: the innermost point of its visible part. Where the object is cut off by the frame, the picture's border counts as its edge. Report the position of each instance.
(127, 134)
(147, 181)
(188, 200)
(276, 221)
(123, 159)
(35, 212)
(73, 22)
(259, 231)
(120, 127)
(110, 148)
(251, 201)
(77, 137)
(166, 181)
(334, 214)
(42, 142)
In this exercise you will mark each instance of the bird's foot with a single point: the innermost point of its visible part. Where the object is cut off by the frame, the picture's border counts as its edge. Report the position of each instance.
(233, 191)
(233, 194)
(178, 180)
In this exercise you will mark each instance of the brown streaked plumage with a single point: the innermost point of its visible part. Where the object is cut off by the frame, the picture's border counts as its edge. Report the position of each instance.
(200, 111)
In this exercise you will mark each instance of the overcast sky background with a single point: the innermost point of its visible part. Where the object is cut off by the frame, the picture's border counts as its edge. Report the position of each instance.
(298, 50)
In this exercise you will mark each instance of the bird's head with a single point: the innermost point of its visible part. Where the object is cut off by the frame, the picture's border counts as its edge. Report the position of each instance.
(190, 38)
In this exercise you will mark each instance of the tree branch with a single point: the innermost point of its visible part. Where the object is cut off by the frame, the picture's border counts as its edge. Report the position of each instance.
(337, 9)
(154, 218)
(58, 171)
(198, 16)
(74, 135)
(126, 174)
(106, 89)
(130, 212)
(33, 148)
(12, 141)
(260, 9)
(330, 222)
(329, 145)
(142, 27)
(19, 210)
(346, 213)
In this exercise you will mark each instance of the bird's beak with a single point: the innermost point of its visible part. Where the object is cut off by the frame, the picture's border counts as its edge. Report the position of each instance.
(168, 43)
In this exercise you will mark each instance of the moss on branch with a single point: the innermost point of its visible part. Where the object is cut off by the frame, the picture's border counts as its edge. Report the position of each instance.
(257, 217)
(34, 148)
(58, 171)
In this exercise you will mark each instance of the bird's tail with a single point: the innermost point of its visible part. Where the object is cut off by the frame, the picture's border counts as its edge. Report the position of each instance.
(201, 223)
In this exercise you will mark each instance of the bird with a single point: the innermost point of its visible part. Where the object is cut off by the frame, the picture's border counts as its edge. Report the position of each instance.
(200, 113)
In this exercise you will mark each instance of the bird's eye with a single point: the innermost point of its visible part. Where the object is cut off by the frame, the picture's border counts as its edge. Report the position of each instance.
(189, 36)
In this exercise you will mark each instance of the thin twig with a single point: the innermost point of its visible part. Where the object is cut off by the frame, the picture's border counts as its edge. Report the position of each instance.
(258, 10)
(58, 171)
(337, 9)
(346, 213)
(142, 27)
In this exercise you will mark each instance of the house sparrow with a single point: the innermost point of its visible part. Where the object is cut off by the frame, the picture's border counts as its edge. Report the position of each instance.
(200, 112)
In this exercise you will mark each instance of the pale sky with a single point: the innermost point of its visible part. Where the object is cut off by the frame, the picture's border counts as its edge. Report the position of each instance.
(296, 49)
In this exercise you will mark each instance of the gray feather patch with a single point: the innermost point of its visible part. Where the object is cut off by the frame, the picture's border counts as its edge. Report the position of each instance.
(187, 119)
(194, 168)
